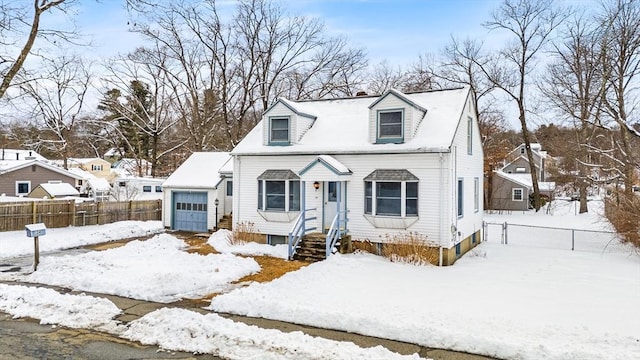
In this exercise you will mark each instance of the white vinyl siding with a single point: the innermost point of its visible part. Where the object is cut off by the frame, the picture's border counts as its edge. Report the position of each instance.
(432, 204)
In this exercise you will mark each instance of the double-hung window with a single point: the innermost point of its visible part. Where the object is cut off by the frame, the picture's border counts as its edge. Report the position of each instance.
(391, 193)
(476, 194)
(390, 128)
(278, 190)
(517, 194)
(279, 131)
(460, 197)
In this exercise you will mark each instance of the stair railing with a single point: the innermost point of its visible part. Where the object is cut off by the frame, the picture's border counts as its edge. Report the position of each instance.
(298, 230)
(337, 229)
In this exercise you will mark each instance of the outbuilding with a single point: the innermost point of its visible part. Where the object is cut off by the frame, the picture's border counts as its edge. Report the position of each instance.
(199, 193)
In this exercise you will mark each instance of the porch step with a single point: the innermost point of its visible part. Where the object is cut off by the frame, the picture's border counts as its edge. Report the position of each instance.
(226, 222)
(312, 248)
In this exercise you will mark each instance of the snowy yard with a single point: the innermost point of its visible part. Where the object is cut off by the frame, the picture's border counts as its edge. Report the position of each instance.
(531, 299)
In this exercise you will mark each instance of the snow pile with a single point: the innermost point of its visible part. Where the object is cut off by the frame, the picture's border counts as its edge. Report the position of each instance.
(51, 307)
(220, 240)
(184, 330)
(155, 270)
(15, 243)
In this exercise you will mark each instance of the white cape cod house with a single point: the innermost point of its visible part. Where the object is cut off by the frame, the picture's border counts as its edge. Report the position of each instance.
(369, 166)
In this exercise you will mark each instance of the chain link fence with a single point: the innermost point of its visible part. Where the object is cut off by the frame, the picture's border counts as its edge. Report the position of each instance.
(549, 237)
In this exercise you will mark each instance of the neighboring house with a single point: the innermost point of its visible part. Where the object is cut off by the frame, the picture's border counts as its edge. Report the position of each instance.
(131, 167)
(516, 162)
(53, 190)
(20, 177)
(199, 192)
(19, 154)
(98, 189)
(113, 154)
(512, 184)
(512, 191)
(97, 167)
(383, 165)
(137, 188)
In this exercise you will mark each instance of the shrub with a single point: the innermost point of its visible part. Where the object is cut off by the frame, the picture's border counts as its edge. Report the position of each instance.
(244, 232)
(411, 248)
(365, 245)
(623, 213)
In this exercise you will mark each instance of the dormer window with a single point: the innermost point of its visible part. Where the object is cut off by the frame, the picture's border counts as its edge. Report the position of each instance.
(279, 131)
(390, 126)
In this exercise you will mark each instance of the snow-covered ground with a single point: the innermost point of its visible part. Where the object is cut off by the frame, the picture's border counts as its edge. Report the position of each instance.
(16, 243)
(531, 299)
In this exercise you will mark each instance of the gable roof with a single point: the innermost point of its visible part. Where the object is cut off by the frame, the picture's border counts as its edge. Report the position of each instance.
(342, 126)
(59, 189)
(399, 95)
(99, 184)
(13, 165)
(330, 163)
(525, 180)
(201, 170)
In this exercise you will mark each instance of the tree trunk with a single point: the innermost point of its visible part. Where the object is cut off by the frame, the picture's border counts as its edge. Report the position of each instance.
(527, 144)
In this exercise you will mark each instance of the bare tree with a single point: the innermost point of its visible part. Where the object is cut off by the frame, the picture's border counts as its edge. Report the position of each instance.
(621, 62)
(58, 99)
(461, 65)
(141, 104)
(573, 85)
(225, 73)
(385, 76)
(13, 17)
(531, 23)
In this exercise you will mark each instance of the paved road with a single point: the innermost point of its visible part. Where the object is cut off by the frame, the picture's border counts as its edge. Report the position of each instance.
(26, 339)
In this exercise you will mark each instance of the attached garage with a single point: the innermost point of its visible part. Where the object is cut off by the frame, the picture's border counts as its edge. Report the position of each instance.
(190, 211)
(190, 193)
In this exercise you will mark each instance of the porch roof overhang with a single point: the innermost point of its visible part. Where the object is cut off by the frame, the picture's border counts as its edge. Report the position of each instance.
(325, 168)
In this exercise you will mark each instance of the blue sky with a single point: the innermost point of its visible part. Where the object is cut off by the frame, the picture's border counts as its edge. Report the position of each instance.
(396, 30)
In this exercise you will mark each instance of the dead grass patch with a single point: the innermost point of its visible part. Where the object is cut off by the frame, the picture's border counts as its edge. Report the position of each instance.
(198, 245)
(411, 248)
(365, 245)
(244, 232)
(272, 268)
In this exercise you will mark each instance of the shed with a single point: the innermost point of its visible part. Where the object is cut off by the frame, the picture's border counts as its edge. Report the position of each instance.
(53, 191)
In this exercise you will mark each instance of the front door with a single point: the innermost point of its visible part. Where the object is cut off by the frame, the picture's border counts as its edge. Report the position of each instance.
(330, 203)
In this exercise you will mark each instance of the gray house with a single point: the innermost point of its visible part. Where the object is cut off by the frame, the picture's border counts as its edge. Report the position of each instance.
(20, 177)
(512, 184)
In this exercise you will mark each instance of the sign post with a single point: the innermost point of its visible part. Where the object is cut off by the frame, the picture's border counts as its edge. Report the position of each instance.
(35, 231)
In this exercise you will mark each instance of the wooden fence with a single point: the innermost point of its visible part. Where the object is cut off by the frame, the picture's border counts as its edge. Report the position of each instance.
(59, 213)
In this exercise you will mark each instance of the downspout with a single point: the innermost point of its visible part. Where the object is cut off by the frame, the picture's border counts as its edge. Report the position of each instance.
(441, 216)
(454, 194)
(236, 190)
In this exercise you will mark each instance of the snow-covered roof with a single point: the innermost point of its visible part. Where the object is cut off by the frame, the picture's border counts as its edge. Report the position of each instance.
(525, 180)
(84, 160)
(82, 173)
(19, 154)
(59, 189)
(342, 126)
(13, 165)
(99, 184)
(200, 170)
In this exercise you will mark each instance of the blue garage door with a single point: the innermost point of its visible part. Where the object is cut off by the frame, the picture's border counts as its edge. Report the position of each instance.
(190, 211)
